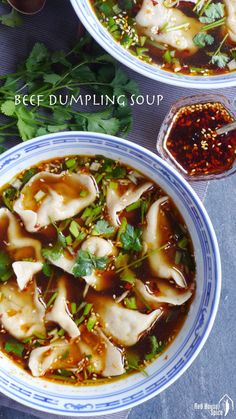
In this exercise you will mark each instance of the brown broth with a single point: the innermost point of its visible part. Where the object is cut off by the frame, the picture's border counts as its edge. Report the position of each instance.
(173, 231)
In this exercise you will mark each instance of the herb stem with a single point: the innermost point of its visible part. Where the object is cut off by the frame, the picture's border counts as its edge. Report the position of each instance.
(213, 25)
(152, 252)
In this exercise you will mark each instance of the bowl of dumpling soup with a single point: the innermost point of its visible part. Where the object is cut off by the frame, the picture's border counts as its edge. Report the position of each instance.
(185, 43)
(110, 274)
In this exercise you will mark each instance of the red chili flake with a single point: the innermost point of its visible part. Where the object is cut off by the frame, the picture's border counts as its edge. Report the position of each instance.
(192, 141)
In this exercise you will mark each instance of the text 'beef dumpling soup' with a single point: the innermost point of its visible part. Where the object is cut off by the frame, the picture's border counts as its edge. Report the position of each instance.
(195, 37)
(97, 270)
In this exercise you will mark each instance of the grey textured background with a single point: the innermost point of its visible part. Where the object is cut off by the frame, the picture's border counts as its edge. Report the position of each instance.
(214, 372)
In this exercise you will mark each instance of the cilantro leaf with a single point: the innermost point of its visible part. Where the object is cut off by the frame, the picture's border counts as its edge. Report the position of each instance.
(5, 266)
(86, 262)
(37, 58)
(11, 19)
(8, 108)
(54, 252)
(47, 269)
(130, 239)
(52, 78)
(155, 348)
(213, 12)
(101, 121)
(202, 39)
(220, 59)
(102, 227)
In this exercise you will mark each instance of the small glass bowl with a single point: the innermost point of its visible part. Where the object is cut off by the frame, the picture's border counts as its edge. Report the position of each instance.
(167, 123)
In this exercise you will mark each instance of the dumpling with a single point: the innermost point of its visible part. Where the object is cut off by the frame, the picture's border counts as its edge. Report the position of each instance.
(105, 358)
(21, 312)
(17, 240)
(166, 293)
(97, 246)
(46, 357)
(151, 236)
(114, 362)
(125, 326)
(60, 312)
(231, 18)
(116, 202)
(49, 197)
(25, 271)
(154, 15)
(100, 248)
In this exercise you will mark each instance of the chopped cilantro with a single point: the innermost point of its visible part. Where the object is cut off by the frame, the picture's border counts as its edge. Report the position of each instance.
(86, 262)
(202, 39)
(155, 348)
(220, 59)
(212, 12)
(102, 227)
(47, 269)
(55, 251)
(130, 239)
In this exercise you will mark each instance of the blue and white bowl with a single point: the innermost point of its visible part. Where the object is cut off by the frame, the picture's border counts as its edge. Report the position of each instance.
(137, 388)
(88, 18)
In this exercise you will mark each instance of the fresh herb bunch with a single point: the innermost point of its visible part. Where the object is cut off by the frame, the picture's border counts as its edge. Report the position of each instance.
(11, 19)
(46, 73)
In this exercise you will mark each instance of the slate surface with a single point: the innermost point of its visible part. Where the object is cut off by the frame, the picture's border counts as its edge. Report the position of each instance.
(214, 372)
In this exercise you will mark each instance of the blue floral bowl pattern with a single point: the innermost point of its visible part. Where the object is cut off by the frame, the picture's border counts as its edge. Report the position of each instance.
(102, 36)
(137, 388)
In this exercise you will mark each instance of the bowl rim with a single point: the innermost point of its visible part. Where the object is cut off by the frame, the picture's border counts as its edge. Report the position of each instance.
(129, 60)
(217, 278)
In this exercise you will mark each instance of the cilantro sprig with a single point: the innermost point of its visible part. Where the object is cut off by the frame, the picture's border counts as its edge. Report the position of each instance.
(103, 228)
(155, 348)
(11, 19)
(86, 262)
(55, 251)
(130, 238)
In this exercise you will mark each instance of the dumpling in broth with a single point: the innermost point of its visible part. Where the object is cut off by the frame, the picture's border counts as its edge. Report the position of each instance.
(125, 326)
(117, 203)
(95, 245)
(49, 197)
(60, 312)
(25, 272)
(151, 236)
(166, 293)
(231, 18)
(106, 359)
(16, 240)
(21, 312)
(154, 15)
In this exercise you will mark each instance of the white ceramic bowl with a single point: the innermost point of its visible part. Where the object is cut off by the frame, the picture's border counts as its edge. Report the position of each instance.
(137, 388)
(88, 18)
